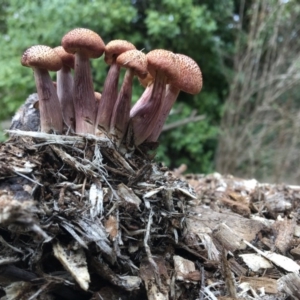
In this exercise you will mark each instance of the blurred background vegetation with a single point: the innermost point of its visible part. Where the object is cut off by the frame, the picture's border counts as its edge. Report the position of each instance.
(248, 52)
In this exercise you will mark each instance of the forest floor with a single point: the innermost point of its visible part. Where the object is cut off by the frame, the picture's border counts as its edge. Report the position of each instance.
(80, 220)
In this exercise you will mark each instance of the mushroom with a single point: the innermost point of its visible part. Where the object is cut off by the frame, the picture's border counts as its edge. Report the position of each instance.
(162, 65)
(85, 44)
(147, 83)
(110, 88)
(97, 97)
(65, 85)
(43, 59)
(190, 81)
(136, 64)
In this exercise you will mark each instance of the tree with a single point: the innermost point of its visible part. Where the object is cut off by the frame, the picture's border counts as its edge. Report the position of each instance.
(260, 125)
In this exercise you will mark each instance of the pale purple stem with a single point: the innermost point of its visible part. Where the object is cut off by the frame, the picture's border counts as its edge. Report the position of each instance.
(142, 100)
(84, 97)
(121, 112)
(144, 119)
(49, 106)
(108, 98)
(65, 85)
(171, 95)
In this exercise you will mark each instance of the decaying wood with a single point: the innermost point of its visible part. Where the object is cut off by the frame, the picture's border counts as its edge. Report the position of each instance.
(97, 226)
(79, 220)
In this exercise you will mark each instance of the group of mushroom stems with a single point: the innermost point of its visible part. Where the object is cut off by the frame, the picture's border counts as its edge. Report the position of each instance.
(71, 104)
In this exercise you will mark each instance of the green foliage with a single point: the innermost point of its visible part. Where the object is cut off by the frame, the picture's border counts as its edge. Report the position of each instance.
(199, 29)
(45, 22)
(191, 144)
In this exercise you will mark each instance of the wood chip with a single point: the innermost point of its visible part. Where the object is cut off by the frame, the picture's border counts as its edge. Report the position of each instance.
(256, 262)
(269, 285)
(74, 261)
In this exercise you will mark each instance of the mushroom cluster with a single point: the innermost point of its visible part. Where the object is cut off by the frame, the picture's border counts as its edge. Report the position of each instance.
(71, 106)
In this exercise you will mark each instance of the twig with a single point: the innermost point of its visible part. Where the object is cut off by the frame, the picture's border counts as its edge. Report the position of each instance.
(202, 282)
(148, 251)
(28, 178)
(229, 280)
(117, 159)
(194, 252)
(208, 293)
(83, 189)
(6, 244)
(13, 272)
(191, 119)
(68, 159)
(61, 139)
(42, 289)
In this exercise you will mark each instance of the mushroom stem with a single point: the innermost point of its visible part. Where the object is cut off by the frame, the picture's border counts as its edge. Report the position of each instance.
(143, 99)
(121, 112)
(172, 93)
(108, 98)
(84, 97)
(65, 85)
(110, 89)
(144, 118)
(49, 106)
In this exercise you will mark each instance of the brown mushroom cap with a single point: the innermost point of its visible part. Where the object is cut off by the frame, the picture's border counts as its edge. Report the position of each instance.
(190, 80)
(68, 59)
(84, 41)
(148, 80)
(135, 60)
(164, 61)
(42, 57)
(115, 48)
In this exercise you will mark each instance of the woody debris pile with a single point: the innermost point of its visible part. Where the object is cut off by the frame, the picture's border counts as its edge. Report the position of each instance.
(85, 213)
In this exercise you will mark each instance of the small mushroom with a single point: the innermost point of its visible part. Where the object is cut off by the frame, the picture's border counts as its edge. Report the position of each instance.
(43, 59)
(65, 85)
(97, 97)
(162, 65)
(189, 81)
(147, 83)
(85, 44)
(136, 64)
(110, 89)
